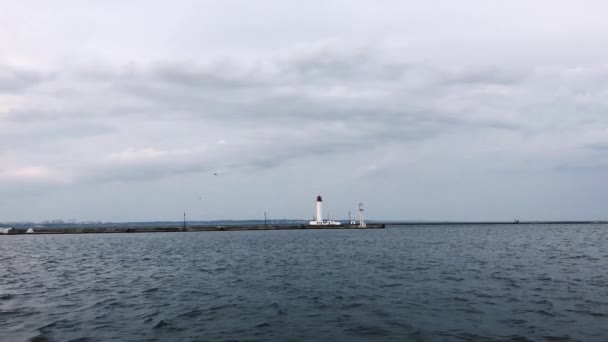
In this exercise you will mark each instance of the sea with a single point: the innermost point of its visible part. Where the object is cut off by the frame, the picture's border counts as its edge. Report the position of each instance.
(403, 283)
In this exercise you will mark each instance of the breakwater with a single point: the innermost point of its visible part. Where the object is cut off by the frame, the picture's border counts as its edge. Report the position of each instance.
(167, 229)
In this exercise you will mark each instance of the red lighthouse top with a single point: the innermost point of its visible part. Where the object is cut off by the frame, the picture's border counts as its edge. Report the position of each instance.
(319, 199)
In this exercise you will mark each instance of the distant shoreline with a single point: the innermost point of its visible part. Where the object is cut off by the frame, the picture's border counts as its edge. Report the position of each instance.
(469, 223)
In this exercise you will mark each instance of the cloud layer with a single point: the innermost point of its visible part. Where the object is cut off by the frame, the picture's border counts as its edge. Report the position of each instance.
(418, 131)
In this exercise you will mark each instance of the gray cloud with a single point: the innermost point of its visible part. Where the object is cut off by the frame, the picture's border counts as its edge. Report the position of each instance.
(356, 102)
(15, 80)
(486, 75)
(598, 147)
(347, 98)
(599, 168)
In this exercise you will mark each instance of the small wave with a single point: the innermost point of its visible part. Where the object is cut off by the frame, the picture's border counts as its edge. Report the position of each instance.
(545, 313)
(581, 256)
(108, 302)
(518, 338)
(191, 314)
(352, 306)
(458, 335)
(68, 306)
(542, 302)
(40, 338)
(510, 282)
(480, 294)
(514, 321)
(222, 307)
(16, 314)
(460, 299)
(6, 296)
(596, 302)
(62, 323)
(418, 336)
(568, 298)
(598, 314)
(471, 311)
(162, 323)
(313, 315)
(557, 338)
(368, 331)
(588, 312)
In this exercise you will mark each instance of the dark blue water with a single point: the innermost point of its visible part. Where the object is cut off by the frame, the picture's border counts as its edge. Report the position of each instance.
(419, 283)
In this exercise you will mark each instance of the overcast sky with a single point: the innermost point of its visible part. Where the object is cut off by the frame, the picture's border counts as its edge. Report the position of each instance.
(436, 110)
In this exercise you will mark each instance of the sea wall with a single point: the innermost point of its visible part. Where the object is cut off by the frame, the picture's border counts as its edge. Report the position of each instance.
(201, 228)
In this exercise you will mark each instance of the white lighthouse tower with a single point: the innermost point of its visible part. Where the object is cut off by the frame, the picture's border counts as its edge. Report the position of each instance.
(319, 209)
(319, 219)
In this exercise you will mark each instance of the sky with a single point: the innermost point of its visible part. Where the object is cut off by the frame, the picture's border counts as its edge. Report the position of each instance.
(423, 110)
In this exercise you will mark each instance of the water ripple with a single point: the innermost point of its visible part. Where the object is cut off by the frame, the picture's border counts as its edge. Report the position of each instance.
(415, 283)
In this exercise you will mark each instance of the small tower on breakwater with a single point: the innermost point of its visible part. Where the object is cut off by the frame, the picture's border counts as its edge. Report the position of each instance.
(361, 217)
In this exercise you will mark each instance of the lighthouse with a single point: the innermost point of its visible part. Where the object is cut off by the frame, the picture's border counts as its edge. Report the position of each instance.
(319, 209)
(318, 221)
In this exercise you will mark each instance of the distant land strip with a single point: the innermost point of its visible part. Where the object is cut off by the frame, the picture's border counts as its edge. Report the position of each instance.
(192, 226)
(469, 223)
